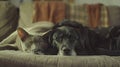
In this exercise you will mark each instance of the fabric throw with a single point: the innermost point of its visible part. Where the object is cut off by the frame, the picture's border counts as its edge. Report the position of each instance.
(91, 15)
(94, 14)
(49, 11)
(77, 13)
(104, 17)
(98, 15)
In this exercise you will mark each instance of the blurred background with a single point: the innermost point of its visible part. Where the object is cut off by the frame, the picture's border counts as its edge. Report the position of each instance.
(106, 2)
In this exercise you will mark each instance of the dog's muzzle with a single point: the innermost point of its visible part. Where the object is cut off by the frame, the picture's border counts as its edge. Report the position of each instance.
(65, 51)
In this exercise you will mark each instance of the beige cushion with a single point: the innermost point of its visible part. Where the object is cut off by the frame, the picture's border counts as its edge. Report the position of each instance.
(21, 59)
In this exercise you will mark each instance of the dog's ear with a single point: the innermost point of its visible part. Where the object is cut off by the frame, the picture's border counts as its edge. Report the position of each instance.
(22, 34)
(49, 40)
(49, 36)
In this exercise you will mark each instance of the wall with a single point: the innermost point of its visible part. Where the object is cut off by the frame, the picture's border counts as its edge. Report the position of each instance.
(106, 2)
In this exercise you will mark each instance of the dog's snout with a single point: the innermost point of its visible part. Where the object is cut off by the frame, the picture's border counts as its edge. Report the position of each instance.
(66, 50)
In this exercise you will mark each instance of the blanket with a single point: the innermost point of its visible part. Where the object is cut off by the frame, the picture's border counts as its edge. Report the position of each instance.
(77, 13)
(94, 15)
(49, 11)
(88, 14)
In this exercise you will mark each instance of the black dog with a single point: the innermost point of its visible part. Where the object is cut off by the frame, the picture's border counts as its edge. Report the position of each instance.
(65, 36)
(71, 38)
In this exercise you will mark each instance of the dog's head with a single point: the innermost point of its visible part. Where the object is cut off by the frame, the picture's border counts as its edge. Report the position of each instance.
(65, 36)
(32, 43)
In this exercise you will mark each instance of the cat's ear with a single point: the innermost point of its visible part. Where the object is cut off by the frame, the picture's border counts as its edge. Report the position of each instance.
(22, 34)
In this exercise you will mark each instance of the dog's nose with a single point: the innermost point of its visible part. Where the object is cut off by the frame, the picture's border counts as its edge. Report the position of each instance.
(67, 50)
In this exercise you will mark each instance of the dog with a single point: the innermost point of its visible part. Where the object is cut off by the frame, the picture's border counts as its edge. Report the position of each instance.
(30, 39)
(65, 36)
(72, 38)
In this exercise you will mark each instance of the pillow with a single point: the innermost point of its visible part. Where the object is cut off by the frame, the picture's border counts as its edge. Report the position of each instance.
(9, 15)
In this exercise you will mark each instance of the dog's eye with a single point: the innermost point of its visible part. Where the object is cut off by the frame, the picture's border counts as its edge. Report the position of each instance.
(59, 39)
(77, 36)
(61, 36)
(71, 37)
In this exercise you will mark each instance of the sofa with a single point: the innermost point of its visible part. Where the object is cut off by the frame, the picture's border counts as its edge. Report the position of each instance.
(22, 18)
